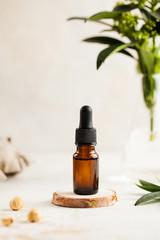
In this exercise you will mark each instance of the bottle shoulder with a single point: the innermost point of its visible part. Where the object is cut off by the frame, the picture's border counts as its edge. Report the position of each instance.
(86, 155)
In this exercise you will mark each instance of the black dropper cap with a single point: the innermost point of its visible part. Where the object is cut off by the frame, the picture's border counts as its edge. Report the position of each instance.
(86, 134)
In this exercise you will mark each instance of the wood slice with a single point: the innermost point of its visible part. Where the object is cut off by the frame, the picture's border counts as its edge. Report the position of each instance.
(104, 198)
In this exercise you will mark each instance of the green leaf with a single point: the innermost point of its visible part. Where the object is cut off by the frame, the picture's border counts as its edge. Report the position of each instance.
(150, 15)
(103, 40)
(156, 14)
(108, 30)
(125, 8)
(146, 61)
(157, 27)
(126, 53)
(148, 90)
(145, 183)
(145, 14)
(77, 18)
(86, 19)
(149, 188)
(108, 51)
(148, 197)
(104, 15)
(107, 40)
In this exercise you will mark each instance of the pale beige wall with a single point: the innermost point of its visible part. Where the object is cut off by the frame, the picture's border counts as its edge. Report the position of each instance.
(47, 74)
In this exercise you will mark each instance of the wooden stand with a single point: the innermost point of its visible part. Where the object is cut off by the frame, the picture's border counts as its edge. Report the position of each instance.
(104, 198)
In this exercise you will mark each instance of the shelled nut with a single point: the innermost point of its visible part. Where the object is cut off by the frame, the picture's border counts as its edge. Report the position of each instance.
(34, 215)
(7, 221)
(16, 204)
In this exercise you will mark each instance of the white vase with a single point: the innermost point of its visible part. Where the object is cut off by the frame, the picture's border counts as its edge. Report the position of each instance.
(142, 151)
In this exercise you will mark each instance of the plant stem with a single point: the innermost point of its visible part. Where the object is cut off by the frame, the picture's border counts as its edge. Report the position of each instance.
(152, 136)
(151, 115)
(154, 44)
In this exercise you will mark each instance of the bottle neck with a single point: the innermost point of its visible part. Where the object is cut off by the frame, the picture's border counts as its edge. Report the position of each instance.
(85, 151)
(85, 147)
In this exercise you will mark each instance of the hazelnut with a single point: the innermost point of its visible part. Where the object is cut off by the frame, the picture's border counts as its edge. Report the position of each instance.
(34, 215)
(16, 204)
(7, 221)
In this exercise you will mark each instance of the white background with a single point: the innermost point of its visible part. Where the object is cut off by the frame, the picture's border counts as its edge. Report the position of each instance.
(47, 74)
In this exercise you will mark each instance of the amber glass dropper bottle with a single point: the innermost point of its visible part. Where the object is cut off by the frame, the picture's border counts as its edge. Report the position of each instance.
(85, 159)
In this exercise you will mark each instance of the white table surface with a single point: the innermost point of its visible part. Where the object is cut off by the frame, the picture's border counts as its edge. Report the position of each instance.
(51, 172)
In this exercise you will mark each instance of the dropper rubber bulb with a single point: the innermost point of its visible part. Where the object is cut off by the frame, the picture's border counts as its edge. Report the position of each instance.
(86, 118)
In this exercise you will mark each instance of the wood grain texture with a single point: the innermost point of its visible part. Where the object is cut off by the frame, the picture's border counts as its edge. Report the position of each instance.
(104, 198)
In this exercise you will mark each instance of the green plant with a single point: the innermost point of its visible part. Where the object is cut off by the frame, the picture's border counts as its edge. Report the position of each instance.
(150, 187)
(139, 22)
